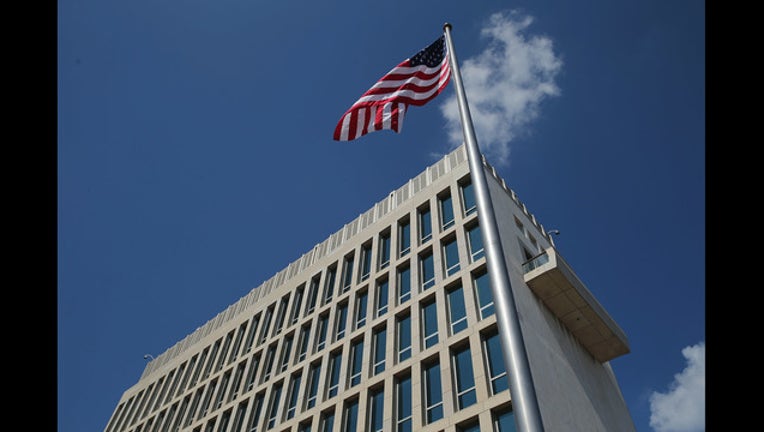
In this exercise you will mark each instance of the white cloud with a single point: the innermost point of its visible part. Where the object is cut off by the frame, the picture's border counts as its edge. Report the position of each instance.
(505, 85)
(683, 407)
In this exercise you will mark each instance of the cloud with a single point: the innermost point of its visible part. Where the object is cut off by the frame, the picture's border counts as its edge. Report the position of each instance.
(505, 85)
(683, 407)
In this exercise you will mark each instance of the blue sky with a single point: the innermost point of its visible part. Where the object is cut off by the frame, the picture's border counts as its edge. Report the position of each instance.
(185, 127)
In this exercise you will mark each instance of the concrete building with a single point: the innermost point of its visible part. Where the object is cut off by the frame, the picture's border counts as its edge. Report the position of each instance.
(389, 325)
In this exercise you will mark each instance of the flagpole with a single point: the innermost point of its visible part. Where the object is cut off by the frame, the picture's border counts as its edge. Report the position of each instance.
(521, 389)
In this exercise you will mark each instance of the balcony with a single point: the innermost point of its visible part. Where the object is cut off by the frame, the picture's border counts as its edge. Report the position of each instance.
(558, 287)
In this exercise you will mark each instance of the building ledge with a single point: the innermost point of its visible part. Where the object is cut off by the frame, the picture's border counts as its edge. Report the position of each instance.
(551, 278)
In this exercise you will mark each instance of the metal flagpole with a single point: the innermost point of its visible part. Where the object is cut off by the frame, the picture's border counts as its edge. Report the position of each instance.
(524, 403)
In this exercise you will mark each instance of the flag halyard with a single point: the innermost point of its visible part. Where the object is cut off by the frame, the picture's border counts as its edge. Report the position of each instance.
(415, 81)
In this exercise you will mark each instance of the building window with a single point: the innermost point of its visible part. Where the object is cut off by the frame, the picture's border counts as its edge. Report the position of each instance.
(313, 377)
(457, 313)
(433, 395)
(360, 309)
(223, 388)
(476, 242)
(356, 363)
(504, 421)
(236, 385)
(281, 315)
(286, 351)
(468, 199)
(334, 375)
(224, 351)
(425, 225)
(273, 406)
(340, 321)
(347, 274)
(303, 343)
(331, 276)
(365, 261)
(224, 419)
(207, 398)
(194, 406)
(380, 346)
(296, 306)
(376, 410)
(211, 360)
(384, 250)
(404, 338)
(404, 284)
(327, 421)
(464, 378)
(251, 335)
(404, 237)
(237, 342)
(469, 426)
(381, 298)
(268, 363)
(312, 295)
(446, 211)
(494, 359)
(403, 405)
(266, 325)
(238, 419)
(253, 372)
(484, 295)
(429, 324)
(451, 256)
(304, 427)
(323, 325)
(257, 407)
(294, 391)
(426, 271)
(350, 421)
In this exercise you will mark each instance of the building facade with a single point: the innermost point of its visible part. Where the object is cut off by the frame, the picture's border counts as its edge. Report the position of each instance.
(389, 325)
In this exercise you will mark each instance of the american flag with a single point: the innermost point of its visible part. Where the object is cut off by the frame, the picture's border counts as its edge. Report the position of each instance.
(415, 81)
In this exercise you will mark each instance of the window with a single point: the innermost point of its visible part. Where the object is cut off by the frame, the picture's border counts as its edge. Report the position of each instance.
(335, 361)
(251, 334)
(170, 382)
(340, 321)
(356, 363)
(504, 421)
(215, 348)
(238, 419)
(199, 365)
(457, 313)
(476, 242)
(182, 412)
(253, 372)
(468, 199)
(223, 425)
(236, 384)
(190, 367)
(404, 237)
(433, 395)
(296, 306)
(379, 350)
(194, 406)
(429, 324)
(376, 410)
(381, 299)
(223, 387)
(268, 363)
(237, 342)
(273, 406)
(347, 274)
(304, 427)
(446, 212)
(425, 225)
(294, 391)
(350, 421)
(403, 405)
(404, 285)
(384, 250)
(313, 377)
(365, 261)
(224, 351)
(360, 309)
(464, 378)
(280, 316)
(323, 325)
(327, 422)
(303, 343)
(451, 256)
(207, 396)
(484, 295)
(254, 417)
(494, 359)
(286, 350)
(426, 271)
(404, 338)
(312, 295)
(331, 275)
(266, 325)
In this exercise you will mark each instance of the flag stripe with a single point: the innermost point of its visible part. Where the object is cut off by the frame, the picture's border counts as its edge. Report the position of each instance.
(384, 105)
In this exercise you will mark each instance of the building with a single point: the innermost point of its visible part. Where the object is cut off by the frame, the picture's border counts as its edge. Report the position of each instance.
(389, 325)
